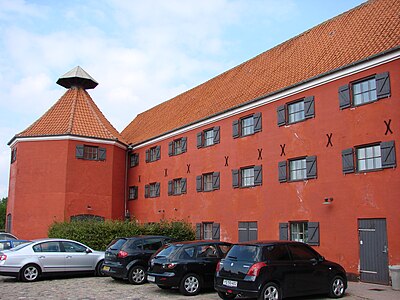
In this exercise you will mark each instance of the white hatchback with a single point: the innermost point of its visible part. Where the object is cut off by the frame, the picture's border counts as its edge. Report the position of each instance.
(30, 261)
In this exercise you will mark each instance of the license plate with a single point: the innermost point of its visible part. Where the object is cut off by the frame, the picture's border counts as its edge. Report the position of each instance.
(230, 283)
(151, 278)
(106, 268)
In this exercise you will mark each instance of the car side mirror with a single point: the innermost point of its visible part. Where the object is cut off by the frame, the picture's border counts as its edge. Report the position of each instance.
(88, 251)
(321, 259)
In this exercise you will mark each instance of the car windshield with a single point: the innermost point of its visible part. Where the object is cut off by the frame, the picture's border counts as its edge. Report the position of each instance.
(244, 252)
(116, 244)
(167, 251)
(20, 246)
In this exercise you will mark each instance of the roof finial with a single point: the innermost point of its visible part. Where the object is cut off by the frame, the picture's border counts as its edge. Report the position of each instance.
(77, 77)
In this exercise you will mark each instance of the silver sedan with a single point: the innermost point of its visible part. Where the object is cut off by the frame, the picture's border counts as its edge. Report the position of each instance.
(30, 261)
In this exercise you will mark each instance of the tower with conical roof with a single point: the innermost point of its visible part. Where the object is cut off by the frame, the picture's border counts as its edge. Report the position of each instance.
(70, 164)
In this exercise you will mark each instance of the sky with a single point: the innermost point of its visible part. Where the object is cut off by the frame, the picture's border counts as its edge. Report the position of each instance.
(140, 52)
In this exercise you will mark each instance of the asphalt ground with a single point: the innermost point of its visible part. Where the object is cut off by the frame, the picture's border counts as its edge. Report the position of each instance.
(87, 288)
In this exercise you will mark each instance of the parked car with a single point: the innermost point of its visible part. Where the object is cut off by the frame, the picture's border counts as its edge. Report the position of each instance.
(190, 266)
(30, 261)
(127, 258)
(277, 269)
(8, 244)
(7, 236)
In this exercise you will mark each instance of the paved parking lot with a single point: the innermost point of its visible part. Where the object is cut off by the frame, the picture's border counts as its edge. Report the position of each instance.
(88, 288)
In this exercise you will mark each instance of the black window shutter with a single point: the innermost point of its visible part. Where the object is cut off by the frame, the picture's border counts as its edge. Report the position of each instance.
(309, 110)
(79, 151)
(198, 231)
(170, 149)
(344, 96)
(216, 231)
(257, 175)
(311, 165)
(382, 85)
(313, 233)
(244, 232)
(253, 231)
(199, 139)
(347, 161)
(146, 191)
(102, 153)
(157, 189)
(170, 188)
(216, 181)
(199, 186)
(216, 135)
(235, 178)
(184, 144)
(388, 154)
(282, 171)
(235, 129)
(281, 115)
(257, 122)
(158, 152)
(283, 231)
(135, 192)
(184, 185)
(147, 155)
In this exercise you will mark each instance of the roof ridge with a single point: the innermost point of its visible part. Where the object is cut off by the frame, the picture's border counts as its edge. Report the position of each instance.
(72, 113)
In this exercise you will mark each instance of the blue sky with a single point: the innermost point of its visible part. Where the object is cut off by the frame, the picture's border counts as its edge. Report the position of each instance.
(141, 52)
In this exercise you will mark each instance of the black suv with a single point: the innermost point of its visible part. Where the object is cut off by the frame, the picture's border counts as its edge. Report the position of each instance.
(127, 258)
(187, 265)
(277, 269)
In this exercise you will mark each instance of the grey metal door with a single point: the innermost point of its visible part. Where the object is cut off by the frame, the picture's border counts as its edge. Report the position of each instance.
(373, 251)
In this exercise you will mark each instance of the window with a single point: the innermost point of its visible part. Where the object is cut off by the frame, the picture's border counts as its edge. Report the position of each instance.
(208, 182)
(247, 125)
(133, 192)
(13, 155)
(207, 231)
(73, 247)
(369, 158)
(177, 186)
(90, 152)
(297, 111)
(208, 137)
(301, 231)
(47, 247)
(247, 177)
(152, 244)
(134, 159)
(248, 231)
(276, 253)
(372, 157)
(153, 154)
(152, 190)
(364, 91)
(177, 147)
(299, 169)
(302, 252)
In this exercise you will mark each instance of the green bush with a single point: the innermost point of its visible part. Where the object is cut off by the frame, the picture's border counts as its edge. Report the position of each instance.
(98, 235)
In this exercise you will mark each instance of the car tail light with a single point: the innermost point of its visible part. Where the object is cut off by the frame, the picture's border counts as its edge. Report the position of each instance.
(122, 254)
(255, 269)
(3, 257)
(169, 266)
(218, 267)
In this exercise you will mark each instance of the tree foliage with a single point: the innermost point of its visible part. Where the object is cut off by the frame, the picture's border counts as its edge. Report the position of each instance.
(3, 211)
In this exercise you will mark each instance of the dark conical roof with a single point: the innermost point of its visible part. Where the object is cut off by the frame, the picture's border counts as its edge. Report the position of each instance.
(77, 77)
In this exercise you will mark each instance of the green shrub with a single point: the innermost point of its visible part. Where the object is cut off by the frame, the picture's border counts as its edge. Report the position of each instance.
(98, 235)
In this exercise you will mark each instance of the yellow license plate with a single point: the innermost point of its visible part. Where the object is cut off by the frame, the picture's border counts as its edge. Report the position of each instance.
(106, 268)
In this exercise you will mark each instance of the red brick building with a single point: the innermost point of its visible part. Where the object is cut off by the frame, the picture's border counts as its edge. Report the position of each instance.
(297, 143)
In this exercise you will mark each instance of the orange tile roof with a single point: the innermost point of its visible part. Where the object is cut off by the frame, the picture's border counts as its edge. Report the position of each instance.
(75, 113)
(367, 30)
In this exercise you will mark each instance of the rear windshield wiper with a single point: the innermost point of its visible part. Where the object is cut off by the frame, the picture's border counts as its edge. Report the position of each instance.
(233, 257)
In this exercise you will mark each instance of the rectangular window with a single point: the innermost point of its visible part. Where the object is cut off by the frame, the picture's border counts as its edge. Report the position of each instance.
(247, 177)
(153, 154)
(177, 186)
(208, 137)
(296, 112)
(13, 155)
(369, 158)
(364, 91)
(134, 159)
(133, 192)
(297, 169)
(247, 126)
(207, 231)
(208, 182)
(178, 147)
(90, 152)
(153, 190)
(299, 231)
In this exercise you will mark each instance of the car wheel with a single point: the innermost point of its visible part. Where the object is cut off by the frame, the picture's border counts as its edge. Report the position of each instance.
(226, 296)
(30, 273)
(164, 287)
(99, 269)
(270, 291)
(190, 285)
(336, 288)
(137, 275)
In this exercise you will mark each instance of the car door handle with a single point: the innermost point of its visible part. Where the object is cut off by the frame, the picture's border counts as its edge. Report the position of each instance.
(42, 257)
(68, 256)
